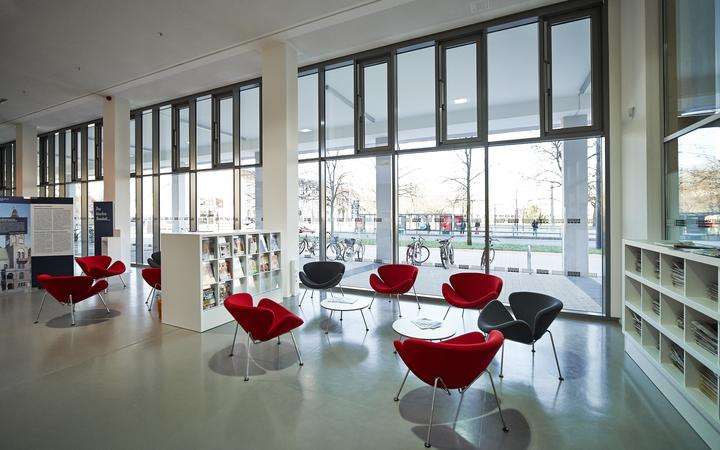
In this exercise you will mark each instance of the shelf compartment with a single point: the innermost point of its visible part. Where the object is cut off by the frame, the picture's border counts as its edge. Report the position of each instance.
(632, 291)
(702, 284)
(672, 359)
(651, 302)
(701, 334)
(633, 261)
(633, 324)
(672, 317)
(650, 265)
(651, 340)
(702, 385)
(672, 273)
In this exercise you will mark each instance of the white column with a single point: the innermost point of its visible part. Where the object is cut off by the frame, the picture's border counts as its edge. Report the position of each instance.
(279, 131)
(383, 200)
(116, 167)
(575, 201)
(26, 160)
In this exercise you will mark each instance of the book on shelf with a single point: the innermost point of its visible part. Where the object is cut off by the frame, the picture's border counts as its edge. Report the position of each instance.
(253, 264)
(705, 335)
(637, 322)
(274, 262)
(656, 306)
(223, 249)
(264, 263)
(708, 383)
(262, 244)
(638, 265)
(224, 272)
(676, 357)
(677, 273)
(252, 244)
(224, 291)
(680, 320)
(208, 298)
(274, 246)
(237, 269)
(208, 249)
(712, 291)
(238, 245)
(656, 267)
(208, 275)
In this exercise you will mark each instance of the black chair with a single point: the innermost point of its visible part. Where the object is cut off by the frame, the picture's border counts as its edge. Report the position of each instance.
(321, 275)
(533, 315)
(154, 260)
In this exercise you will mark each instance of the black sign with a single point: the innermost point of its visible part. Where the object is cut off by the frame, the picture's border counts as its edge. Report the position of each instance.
(104, 225)
(13, 225)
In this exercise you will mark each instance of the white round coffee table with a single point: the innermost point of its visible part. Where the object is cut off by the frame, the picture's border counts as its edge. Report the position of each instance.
(406, 328)
(333, 305)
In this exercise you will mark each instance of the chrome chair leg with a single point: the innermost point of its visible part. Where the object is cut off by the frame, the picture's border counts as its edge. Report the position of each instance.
(147, 300)
(497, 401)
(302, 298)
(432, 411)
(104, 304)
(152, 299)
(372, 301)
(397, 396)
(533, 347)
(297, 350)
(72, 312)
(398, 303)
(278, 340)
(446, 313)
(232, 347)
(247, 363)
(364, 321)
(123, 281)
(560, 377)
(42, 303)
(416, 297)
(502, 359)
(341, 290)
(341, 316)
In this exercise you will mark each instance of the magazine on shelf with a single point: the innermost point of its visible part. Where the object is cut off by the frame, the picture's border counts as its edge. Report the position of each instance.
(274, 262)
(237, 269)
(238, 245)
(263, 244)
(224, 290)
(274, 246)
(676, 356)
(208, 249)
(209, 300)
(426, 324)
(223, 270)
(223, 249)
(705, 335)
(208, 275)
(253, 265)
(252, 244)
(264, 263)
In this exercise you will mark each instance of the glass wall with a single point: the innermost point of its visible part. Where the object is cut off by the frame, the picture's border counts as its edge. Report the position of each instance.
(309, 210)
(7, 168)
(215, 200)
(416, 99)
(175, 203)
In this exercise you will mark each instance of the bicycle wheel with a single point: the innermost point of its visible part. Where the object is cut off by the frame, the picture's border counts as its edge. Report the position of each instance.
(492, 254)
(360, 250)
(443, 258)
(409, 255)
(423, 254)
(331, 252)
(303, 244)
(348, 254)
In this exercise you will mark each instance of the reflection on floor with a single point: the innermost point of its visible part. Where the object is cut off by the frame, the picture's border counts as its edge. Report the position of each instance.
(129, 382)
(577, 293)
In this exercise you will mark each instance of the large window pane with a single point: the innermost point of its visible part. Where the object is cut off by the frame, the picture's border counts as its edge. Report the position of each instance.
(432, 212)
(571, 74)
(184, 137)
(250, 126)
(309, 210)
(225, 109)
(132, 145)
(461, 91)
(77, 140)
(174, 203)
(91, 152)
(692, 194)
(165, 139)
(359, 215)
(56, 139)
(513, 86)
(73, 190)
(250, 203)
(68, 157)
(95, 194)
(204, 132)
(416, 99)
(146, 145)
(147, 217)
(215, 200)
(339, 111)
(308, 116)
(375, 106)
(692, 61)
(133, 221)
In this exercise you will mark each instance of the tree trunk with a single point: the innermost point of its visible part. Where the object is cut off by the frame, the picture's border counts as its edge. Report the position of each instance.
(468, 228)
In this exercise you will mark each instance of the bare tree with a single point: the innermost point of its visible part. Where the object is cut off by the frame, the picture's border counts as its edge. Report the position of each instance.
(337, 192)
(464, 184)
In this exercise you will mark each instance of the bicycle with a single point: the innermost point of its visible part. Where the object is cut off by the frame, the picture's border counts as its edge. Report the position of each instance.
(309, 244)
(491, 254)
(357, 247)
(447, 252)
(417, 253)
(338, 250)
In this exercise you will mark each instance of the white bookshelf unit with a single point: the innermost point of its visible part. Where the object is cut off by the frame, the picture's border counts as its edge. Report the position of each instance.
(670, 320)
(199, 270)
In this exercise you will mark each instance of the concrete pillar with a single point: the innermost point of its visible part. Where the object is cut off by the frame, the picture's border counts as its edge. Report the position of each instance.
(383, 202)
(26, 160)
(258, 198)
(280, 163)
(116, 167)
(575, 201)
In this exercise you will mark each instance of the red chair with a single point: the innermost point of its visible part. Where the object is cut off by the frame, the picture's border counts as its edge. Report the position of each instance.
(394, 280)
(267, 320)
(100, 267)
(70, 290)
(454, 364)
(152, 278)
(470, 290)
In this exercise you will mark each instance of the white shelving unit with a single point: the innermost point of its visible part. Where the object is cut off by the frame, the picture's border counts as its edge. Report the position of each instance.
(669, 295)
(199, 270)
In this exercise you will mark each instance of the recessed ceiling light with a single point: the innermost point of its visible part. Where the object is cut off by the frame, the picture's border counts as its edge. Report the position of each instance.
(460, 101)
(305, 130)
(3, 100)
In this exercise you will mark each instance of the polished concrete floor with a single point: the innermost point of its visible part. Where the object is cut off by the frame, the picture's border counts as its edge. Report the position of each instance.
(128, 382)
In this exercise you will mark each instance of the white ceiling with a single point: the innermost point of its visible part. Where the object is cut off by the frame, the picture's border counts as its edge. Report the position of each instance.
(60, 58)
